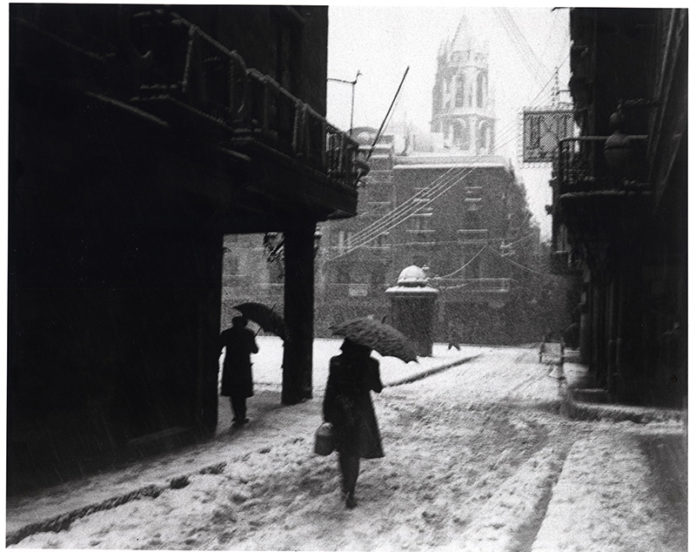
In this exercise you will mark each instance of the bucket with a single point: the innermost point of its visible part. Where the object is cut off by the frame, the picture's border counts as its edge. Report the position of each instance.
(323, 439)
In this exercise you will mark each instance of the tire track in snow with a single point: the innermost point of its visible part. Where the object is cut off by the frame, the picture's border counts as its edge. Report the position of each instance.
(510, 519)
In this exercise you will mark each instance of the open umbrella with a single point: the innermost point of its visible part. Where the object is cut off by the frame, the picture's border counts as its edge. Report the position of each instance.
(264, 316)
(383, 338)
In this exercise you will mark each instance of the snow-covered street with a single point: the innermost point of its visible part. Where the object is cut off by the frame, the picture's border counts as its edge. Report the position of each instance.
(473, 458)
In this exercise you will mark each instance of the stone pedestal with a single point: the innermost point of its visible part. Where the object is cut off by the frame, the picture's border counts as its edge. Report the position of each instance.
(413, 308)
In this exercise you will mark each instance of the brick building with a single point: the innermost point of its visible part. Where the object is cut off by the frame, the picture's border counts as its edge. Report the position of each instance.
(444, 202)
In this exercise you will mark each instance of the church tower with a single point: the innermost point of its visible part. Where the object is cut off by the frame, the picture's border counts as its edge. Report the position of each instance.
(462, 107)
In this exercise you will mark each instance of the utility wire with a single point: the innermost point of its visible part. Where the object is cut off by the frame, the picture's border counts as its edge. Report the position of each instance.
(423, 194)
(437, 187)
(430, 195)
(438, 191)
(521, 265)
(463, 266)
(529, 57)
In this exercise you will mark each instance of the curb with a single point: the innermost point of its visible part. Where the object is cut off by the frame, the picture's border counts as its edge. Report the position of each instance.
(63, 521)
(579, 410)
(431, 371)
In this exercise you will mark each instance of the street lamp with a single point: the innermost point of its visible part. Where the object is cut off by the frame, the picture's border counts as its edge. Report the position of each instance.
(352, 96)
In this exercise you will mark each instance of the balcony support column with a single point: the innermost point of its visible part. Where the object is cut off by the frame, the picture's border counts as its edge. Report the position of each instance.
(299, 313)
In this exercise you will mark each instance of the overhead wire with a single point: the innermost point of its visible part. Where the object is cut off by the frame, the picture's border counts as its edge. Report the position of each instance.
(511, 129)
(409, 208)
(529, 57)
(430, 195)
(434, 187)
(447, 276)
(437, 187)
(519, 265)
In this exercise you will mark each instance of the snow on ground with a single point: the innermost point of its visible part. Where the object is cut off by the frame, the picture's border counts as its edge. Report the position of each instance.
(268, 361)
(605, 472)
(471, 456)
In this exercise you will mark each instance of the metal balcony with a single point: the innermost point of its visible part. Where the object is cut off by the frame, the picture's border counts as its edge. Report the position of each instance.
(205, 84)
(582, 166)
(595, 200)
(153, 67)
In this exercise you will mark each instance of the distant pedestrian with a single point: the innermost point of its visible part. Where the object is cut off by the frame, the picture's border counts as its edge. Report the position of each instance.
(453, 335)
(571, 335)
(237, 384)
(348, 407)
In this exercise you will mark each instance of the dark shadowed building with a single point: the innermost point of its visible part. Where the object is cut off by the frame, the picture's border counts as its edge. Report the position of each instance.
(620, 199)
(139, 136)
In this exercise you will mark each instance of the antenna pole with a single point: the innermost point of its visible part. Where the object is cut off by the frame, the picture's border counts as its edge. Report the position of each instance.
(384, 121)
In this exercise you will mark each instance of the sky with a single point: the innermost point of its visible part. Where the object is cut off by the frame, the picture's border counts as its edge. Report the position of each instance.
(381, 42)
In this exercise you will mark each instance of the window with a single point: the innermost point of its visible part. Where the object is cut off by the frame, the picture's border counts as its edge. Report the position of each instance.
(381, 240)
(457, 133)
(459, 94)
(480, 89)
(421, 221)
(232, 265)
(466, 136)
(343, 239)
(473, 269)
(484, 138)
(420, 260)
(472, 203)
(472, 220)
(378, 277)
(343, 275)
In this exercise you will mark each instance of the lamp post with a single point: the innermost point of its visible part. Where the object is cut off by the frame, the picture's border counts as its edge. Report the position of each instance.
(352, 96)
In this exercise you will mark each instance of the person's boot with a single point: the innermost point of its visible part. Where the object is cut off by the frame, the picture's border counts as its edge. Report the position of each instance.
(350, 500)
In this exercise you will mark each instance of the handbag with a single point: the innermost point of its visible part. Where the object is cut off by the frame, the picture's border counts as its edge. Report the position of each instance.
(324, 439)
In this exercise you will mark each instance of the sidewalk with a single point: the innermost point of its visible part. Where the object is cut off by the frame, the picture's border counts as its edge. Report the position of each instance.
(623, 486)
(617, 493)
(272, 423)
(584, 402)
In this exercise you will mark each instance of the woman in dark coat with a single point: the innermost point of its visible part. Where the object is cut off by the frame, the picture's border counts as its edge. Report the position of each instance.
(348, 406)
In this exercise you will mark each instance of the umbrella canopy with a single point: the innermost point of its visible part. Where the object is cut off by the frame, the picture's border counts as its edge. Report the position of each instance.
(264, 316)
(383, 338)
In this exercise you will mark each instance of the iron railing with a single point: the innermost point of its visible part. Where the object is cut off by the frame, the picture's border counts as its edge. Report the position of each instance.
(581, 165)
(195, 73)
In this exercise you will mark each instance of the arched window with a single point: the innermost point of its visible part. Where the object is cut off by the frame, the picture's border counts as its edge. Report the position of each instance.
(484, 138)
(466, 136)
(480, 89)
(457, 134)
(459, 96)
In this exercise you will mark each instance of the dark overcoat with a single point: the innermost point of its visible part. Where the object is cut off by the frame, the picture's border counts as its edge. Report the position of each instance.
(348, 405)
(236, 370)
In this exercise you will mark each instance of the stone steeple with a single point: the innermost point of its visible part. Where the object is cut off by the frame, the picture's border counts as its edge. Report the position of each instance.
(462, 107)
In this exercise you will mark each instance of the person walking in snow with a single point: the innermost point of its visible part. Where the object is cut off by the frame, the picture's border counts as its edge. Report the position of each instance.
(348, 407)
(237, 383)
(452, 335)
